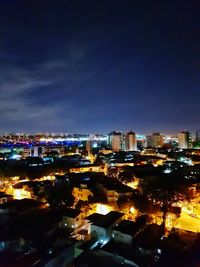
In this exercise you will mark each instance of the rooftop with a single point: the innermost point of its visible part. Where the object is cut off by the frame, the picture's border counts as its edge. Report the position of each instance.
(100, 258)
(127, 227)
(105, 220)
(150, 238)
(116, 186)
(130, 253)
(94, 217)
(72, 213)
(20, 205)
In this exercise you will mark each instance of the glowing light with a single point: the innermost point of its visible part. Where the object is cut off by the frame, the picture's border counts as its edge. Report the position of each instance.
(21, 193)
(17, 157)
(103, 209)
(167, 171)
(132, 210)
(95, 145)
(168, 222)
(72, 139)
(134, 184)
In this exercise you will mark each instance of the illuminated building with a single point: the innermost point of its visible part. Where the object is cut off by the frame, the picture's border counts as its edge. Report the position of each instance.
(26, 152)
(121, 164)
(192, 190)
(72, 218)
(134, 184)
(125, 232)
(88, 147)
(103, 208)
(105, 151)
(37, 151)
(100, 226)
(115, 141)
(114, 190)
(82, 192)
(130, 141)
(21, 193)
(87, 168)
(59, 149)
(184, 140)
(155, 140)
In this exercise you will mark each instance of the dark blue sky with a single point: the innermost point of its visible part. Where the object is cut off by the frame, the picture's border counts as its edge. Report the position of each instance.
(95, 66)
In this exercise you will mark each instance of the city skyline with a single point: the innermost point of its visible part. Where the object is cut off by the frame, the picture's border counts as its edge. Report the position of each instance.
(94, 67)
(138, 133)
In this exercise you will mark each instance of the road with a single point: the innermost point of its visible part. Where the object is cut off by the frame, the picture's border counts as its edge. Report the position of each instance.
(187, 222)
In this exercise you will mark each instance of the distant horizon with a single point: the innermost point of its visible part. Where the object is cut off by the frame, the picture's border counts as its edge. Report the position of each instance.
(94, 133)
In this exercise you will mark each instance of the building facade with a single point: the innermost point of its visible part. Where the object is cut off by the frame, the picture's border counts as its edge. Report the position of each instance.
(130, 141)
(155, 140)
(115, 141)
(184, 140)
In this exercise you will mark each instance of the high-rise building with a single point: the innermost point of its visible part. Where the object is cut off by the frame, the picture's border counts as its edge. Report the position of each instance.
(115, 141)
(130, 141)
(88, 147)
(197, 139)
(155, 140)
(37, 151)
(184, 140)
(26, 152)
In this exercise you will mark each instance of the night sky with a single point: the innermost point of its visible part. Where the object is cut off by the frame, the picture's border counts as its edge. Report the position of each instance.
(96, 66)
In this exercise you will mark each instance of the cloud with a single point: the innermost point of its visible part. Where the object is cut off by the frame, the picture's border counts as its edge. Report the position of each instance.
(15, 105)
(43, 96)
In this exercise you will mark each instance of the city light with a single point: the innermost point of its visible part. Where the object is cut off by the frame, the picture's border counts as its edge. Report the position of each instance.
(134, 184)
(103, 209)
(21, 193)
(132, 210)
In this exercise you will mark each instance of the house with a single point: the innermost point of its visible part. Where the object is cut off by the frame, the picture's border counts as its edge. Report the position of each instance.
(114, 190)
(125, 232)
(101, 226)
(131, 256)
(72, 218)
(149, 240)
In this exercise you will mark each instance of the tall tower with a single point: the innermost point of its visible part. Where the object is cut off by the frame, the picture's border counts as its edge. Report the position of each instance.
(197, 136)
(130, 141)
(184, 140)
(115, 141)
(88, 147)
(155, 140)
